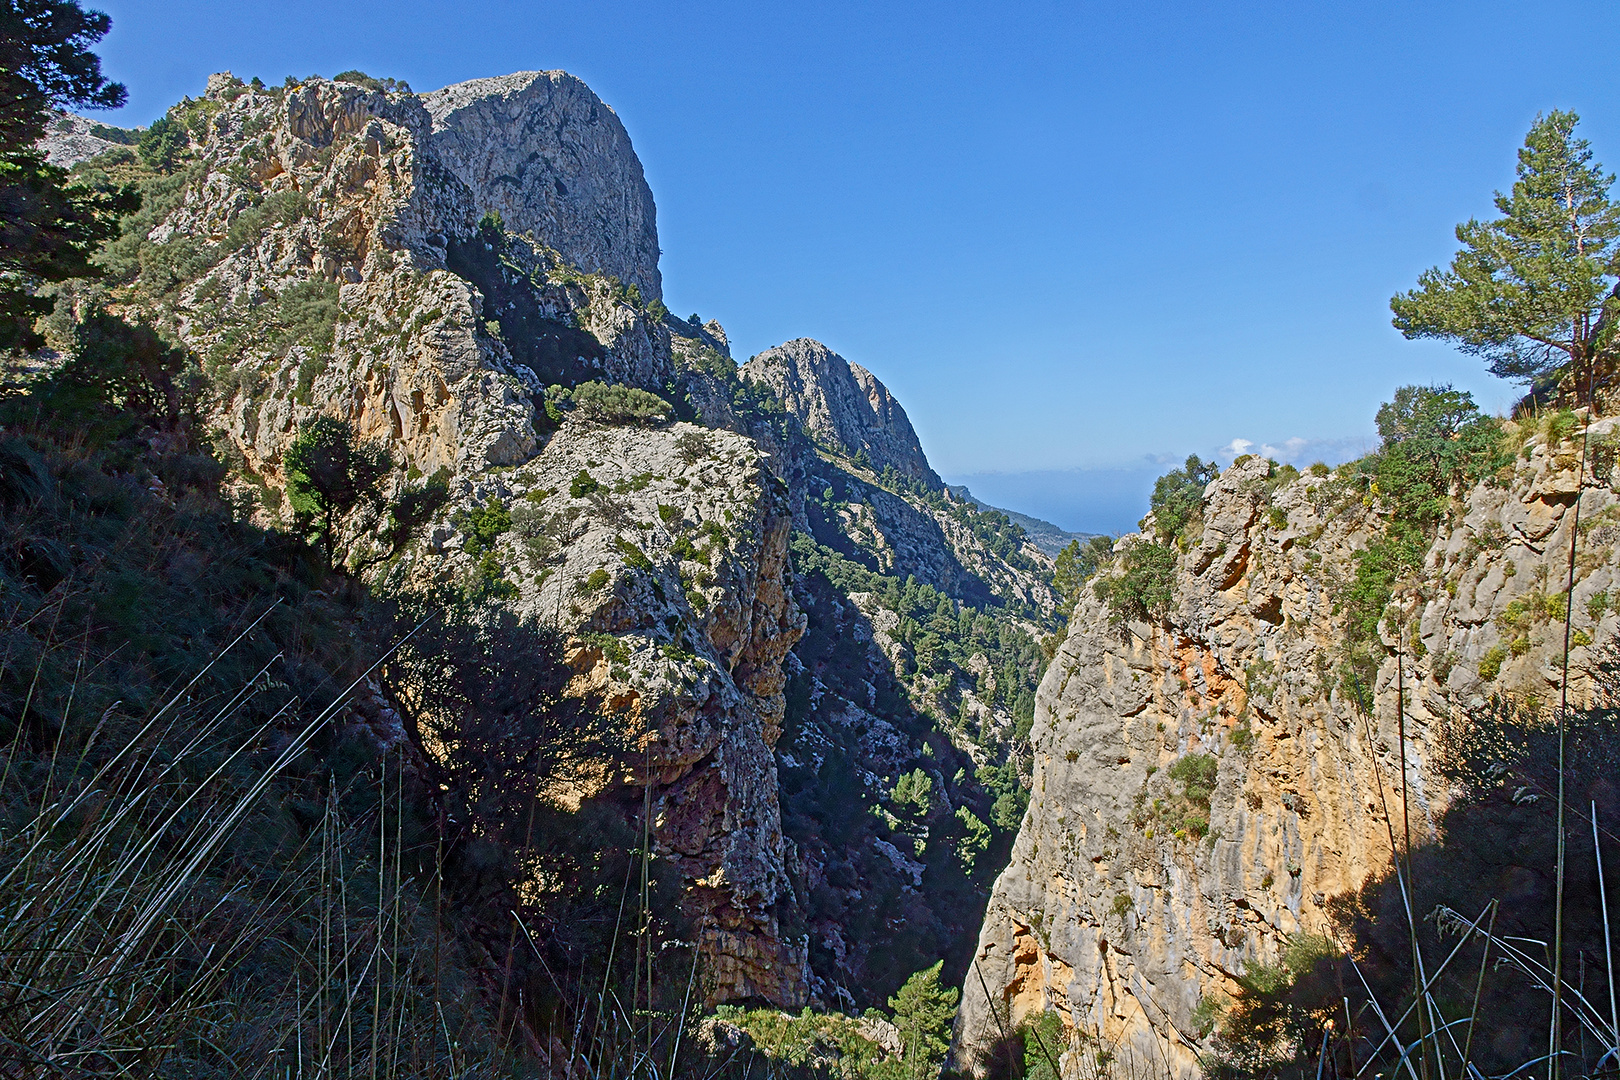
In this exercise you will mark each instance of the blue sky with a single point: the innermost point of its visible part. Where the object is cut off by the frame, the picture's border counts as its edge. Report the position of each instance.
(1078, 240)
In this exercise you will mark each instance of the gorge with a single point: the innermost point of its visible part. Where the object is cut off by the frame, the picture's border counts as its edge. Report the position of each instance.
(869, 739)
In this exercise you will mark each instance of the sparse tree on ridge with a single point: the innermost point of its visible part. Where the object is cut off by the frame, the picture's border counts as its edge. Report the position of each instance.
(1527, 291)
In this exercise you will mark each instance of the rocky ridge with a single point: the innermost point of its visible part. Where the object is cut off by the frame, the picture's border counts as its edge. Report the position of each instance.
(842, 405)
(425, 267)
(1116, 910)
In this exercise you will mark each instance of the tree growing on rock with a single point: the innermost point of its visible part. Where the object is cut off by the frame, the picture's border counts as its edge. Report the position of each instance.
(1527, 291)
(923, 1011)
(1178, 496)
(331, 473)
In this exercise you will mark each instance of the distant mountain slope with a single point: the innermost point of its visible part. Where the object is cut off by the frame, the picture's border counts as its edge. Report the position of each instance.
(1045, 535)
(842, 406)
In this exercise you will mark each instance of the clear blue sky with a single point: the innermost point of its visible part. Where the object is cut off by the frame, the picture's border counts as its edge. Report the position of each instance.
(1076, 239)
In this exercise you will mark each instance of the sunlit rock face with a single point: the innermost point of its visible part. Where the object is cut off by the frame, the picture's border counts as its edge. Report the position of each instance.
(842, 404)
(423, 267)
(1114, 911)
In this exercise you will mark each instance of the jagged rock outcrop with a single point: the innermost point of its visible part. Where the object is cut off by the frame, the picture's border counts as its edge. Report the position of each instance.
(544, 152)
(334, 249)
(71, 139)
(325, 252)
(1116, 910)
(843, 405)
(668, 565)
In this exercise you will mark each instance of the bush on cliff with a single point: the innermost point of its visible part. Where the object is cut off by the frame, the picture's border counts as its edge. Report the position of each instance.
(1436, 444)
(1143, 584)
(605, 403)
(1178, 497)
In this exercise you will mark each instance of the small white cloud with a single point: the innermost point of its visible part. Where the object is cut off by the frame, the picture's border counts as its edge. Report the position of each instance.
(1288, 451)
(1235, 448)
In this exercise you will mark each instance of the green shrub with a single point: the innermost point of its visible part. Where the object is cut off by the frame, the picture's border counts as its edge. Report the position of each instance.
(1144, 587)
(610, 647)
(484, 525)
(162, 144)
(1490, 665)
(1178, 496)
(582, 484)
(634, 557)
(598, 579)
(608, 404)
(360, 78)
(914, 791)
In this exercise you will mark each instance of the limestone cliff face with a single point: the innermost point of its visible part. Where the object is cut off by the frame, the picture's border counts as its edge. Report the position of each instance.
(71, 139)
(671, 574)
(333, 250)
(842, 404)
(360, 200)
(1113, 911)
(544, 152)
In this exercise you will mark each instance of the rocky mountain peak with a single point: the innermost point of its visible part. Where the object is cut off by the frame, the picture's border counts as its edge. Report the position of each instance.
(543, 151)
(842, 404)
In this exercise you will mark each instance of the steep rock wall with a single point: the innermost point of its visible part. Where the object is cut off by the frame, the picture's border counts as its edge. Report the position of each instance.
(326, 251)
(842, 404)
(1115, 915)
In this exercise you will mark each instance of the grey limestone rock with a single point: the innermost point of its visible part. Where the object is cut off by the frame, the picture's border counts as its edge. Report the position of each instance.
(842, 404)
(1116, 909)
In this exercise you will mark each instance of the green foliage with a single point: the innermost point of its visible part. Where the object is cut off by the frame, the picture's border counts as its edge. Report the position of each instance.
(1526, 290)
(1178, 496)
(608, 404)
(1189, 815)
(597, 579)
(484, 526)
(610, 647)
(118, 380)
(52, 227)
(162, 144)
(389, 86)
(814, 1043)
(582, 485)
(1009, 798)
(1435, 444)
(1075, 565)
(330, 473)
(1207, 1013)
(1044, 1043)
(923, 1011)
(975, 838)
(1490, 665)
(832, 1044)
(1144, 586)
(914, 793)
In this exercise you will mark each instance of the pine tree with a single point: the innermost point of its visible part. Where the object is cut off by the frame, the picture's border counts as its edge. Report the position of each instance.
(48, 228)
(923, 1011)
(1527, 291)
